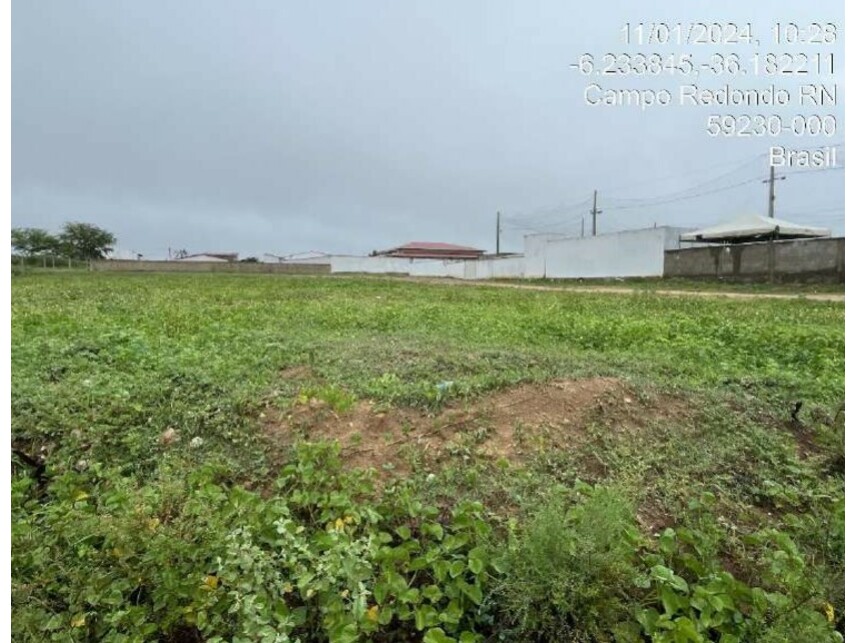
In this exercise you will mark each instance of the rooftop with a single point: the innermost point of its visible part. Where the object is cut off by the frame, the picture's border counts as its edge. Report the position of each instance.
(433, 245)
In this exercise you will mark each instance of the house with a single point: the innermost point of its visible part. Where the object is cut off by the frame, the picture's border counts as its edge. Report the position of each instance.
(431, 250)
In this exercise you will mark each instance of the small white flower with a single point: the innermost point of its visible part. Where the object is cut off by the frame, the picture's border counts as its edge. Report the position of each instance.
(196, 442)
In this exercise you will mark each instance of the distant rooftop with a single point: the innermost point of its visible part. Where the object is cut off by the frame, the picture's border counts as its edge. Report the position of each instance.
(432, 250)
(434, 245)
(205, 256)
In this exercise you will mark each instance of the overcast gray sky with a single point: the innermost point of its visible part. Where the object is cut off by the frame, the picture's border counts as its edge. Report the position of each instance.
(273, 126)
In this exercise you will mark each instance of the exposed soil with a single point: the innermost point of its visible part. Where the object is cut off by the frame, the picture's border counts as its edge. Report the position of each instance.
(300, 372)
(509, 424)
(625, 290)
(652, 517)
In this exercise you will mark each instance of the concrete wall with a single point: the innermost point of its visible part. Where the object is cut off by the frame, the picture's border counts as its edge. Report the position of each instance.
(455, 268)
(371, 265)
(508, 267)
(209, 266)
(500, 268)
(633, 253)
(807, 260)
(535, 249)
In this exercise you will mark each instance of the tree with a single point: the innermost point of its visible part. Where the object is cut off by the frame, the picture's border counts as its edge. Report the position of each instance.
(33, 241)
(86, 241)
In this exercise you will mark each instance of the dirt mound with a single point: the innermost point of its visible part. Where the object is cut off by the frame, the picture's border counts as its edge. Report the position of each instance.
(507, 424)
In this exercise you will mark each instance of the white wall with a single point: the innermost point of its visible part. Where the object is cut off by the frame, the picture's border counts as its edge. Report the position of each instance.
(504, 267)
(370, 265)
(534, 253)
(439, 268)
(455, 268)
(632, 253)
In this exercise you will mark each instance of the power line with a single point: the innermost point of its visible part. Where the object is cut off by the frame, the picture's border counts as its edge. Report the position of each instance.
(563, 209)
(749, 161)
(816, 170)
(562, 217)
(692, 187)
(837, 208)
(688, 197)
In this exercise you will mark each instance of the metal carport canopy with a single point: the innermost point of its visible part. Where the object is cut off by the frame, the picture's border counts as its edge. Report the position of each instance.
(752, 228)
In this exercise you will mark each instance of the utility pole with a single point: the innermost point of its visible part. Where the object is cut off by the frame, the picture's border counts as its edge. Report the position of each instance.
(582, 222)
(771, 196)
(595, 211)
(498, 232)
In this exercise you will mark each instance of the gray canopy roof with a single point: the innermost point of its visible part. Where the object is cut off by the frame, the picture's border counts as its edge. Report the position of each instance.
(754, 228)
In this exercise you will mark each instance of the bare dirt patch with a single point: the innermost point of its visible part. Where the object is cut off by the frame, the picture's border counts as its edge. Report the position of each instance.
(300, 372)
(571, 288)
(509, 424)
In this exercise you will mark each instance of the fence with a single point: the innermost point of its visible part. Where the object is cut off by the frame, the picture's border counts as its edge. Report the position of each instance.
(456, 268)
(49, 262)
(117, 265)
(804, 260)
(632, 253)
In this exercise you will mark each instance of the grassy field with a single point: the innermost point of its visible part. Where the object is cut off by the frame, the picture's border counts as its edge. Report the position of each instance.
(257, 458)
(698, 285)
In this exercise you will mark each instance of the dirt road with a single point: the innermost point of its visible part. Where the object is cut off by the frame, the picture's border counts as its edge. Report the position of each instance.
(624, 290)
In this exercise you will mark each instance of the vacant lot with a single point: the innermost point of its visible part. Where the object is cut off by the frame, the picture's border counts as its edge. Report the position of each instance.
(262, 458)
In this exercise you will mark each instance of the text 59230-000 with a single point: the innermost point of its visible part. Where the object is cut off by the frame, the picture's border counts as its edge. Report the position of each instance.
(757, 125)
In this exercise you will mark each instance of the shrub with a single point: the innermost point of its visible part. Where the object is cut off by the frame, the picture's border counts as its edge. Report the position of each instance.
(319, 560)
(569, 569)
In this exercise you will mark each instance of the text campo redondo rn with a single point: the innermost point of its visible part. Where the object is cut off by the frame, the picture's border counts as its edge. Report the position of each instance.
(802, 107)
(814, 124)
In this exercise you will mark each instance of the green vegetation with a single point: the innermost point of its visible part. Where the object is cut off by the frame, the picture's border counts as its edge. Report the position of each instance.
(76, 241)
(681, 283)
(149, 502)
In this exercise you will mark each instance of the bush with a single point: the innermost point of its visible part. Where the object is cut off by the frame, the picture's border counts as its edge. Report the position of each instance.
(569, 570)
(319, 560)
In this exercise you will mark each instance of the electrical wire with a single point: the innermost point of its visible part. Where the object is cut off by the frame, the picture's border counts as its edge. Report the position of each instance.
(562, 217)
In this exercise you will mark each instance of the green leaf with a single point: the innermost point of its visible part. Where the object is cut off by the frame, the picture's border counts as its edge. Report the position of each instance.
(452, 613)
(469, 637)
(456, 569)
(425, 616)
(670, 600)
(685, 631)
(649, 620)
(473, 592)
(385, 615)
(476, 560)
(411, 596)
(432, 593)
(667, 541)
(433, 529)
(666, 575)
(440, 569)
(437, 635)
(418, 563)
